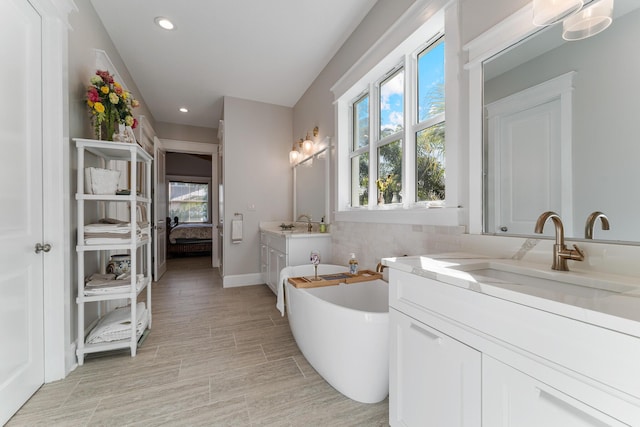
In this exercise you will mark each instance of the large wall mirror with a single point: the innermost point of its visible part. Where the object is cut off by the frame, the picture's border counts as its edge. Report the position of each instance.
(311, 187)
(561, 131)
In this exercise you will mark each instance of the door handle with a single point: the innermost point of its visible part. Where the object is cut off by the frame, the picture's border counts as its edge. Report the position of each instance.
(42, 248)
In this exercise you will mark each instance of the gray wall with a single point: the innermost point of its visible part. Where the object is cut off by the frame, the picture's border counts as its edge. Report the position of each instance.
(315, 107)
(188, 165)
(257, 176)
(186, 133)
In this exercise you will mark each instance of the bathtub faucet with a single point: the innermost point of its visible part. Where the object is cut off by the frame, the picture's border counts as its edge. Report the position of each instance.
(380, 268)
(308, 218)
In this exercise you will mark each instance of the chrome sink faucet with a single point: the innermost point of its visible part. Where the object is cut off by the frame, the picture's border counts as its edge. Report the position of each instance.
(560, 252)
(591, 223)
(308, 218)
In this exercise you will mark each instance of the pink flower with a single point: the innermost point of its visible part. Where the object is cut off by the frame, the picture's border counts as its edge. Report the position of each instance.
(93, 95)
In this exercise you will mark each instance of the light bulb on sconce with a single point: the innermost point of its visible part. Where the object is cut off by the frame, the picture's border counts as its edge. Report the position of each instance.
(294, 154)
(578, 21)
(303, 148)
(307, 144)
(591, 20)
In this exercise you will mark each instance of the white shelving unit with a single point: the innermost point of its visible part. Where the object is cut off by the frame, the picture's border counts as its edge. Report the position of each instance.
(139, 247)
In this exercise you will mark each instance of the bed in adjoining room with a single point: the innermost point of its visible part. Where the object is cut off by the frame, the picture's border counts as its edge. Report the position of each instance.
(188, 238)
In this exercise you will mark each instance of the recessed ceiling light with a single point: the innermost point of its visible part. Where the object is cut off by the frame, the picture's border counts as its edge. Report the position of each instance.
(184, 109)
(164, 23)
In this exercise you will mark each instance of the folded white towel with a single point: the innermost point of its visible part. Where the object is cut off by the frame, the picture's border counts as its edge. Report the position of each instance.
(116, 325)
(299, 271)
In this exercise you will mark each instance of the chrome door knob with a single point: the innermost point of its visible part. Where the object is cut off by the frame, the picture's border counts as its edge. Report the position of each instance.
(42, 248)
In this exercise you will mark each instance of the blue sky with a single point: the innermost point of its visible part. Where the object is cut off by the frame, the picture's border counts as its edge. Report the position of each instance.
(430, 75)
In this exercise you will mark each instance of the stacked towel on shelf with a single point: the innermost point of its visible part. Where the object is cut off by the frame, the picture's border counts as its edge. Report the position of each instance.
(116, 325)
(112, 233)
(95, 234)
(100, 284)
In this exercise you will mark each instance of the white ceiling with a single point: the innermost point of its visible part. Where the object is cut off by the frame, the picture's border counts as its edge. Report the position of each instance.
(263, 50)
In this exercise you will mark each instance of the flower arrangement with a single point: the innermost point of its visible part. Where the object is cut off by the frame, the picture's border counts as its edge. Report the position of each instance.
(383, 185)
(110, 105)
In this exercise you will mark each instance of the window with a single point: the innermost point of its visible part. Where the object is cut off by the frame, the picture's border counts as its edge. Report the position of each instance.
(406, 152)
(397, 155)
(189, 201)
(430, 137)
(360, 152)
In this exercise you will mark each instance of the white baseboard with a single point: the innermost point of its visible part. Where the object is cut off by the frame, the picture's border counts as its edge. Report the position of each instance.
(237, 280)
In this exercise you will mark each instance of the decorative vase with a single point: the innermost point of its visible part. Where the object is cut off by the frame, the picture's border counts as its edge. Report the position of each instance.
(105, 130)
(380, 199)
(119, 264)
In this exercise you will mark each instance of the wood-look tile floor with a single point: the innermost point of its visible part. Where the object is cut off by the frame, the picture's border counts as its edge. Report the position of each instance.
(214, 357)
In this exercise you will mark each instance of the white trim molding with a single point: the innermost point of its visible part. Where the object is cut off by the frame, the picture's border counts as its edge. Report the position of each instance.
(239, 280)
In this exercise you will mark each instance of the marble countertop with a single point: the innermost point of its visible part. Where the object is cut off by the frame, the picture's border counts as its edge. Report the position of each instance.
(299, 230)
(604, 300)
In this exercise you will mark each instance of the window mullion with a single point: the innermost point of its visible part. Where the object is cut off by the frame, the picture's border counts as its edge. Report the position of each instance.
(410, 118)
(374, 135)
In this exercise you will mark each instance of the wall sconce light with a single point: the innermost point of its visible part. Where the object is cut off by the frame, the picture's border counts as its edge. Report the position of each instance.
(590, 21)
(547, 12)
(303, 148)
(307, 144)
(295, 155)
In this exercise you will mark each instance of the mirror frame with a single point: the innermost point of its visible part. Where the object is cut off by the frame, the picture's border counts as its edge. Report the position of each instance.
(326, 152)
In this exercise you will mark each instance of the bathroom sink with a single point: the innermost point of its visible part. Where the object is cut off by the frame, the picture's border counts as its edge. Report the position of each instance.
(508, 275)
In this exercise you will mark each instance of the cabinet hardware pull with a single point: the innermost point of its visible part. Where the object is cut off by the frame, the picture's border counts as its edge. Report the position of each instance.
(425, 332)
(578, 408)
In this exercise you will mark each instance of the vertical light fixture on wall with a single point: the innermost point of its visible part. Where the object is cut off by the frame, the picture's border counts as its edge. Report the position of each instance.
(305, 148)
(547, 12)
(590, 21)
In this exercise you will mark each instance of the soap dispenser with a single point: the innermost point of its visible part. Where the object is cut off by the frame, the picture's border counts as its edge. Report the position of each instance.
(323, 226)
(353, 264)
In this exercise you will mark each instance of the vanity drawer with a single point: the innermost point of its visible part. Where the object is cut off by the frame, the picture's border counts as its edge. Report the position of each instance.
(492, 324)
(278, 243)
(274, 241)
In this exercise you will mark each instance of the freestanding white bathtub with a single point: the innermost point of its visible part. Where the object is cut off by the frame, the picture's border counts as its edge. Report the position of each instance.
(343, 331)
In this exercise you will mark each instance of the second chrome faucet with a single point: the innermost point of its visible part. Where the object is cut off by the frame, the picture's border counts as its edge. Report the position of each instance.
(560, 251)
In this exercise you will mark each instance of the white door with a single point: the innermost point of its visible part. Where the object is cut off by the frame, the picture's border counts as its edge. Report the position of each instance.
(529, 157)
(159, 212)
(21, 268)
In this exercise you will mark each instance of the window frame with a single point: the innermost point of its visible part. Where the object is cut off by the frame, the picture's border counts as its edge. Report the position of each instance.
(404, 55)
(195, 180)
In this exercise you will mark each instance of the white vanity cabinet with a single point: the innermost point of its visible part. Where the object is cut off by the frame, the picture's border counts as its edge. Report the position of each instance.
(278, 250)
(495, 362)
(435, 378)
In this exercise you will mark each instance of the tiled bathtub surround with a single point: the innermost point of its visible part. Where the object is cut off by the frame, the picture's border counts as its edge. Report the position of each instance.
(371, 242)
